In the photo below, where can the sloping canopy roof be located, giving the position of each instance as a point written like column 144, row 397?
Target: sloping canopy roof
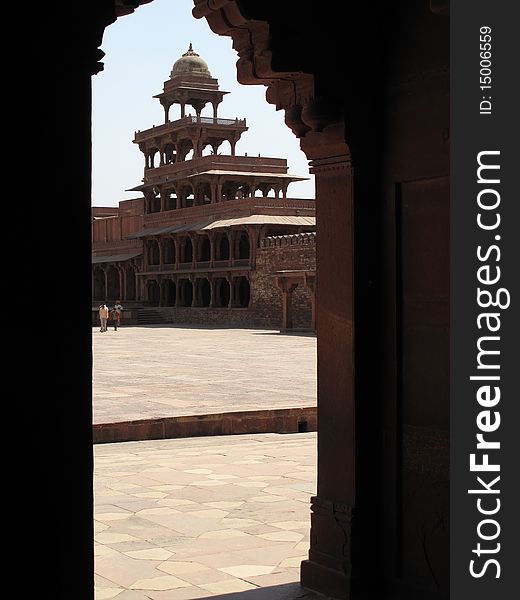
column 182, row 175
column 197, row 226
column 262, row 220
column 213, row 224
column 114, row 257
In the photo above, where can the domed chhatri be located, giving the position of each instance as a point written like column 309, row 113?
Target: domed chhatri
column 190, row 63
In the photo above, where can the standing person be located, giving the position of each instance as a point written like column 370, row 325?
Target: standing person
column 100, row 313
column 103, row 316
column 118, row 309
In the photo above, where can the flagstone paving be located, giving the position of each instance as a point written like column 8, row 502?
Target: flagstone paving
column 168, row 371
column 196, row 518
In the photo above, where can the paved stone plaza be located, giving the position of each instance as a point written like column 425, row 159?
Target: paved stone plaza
column 150, row 372
column 206, row 517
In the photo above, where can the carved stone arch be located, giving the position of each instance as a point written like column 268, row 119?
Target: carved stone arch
column 292, row 91
column 346, row 509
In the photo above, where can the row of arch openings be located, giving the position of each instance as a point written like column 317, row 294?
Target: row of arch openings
column 186, row 195
column 188, row 250
column 184, row 151
column 219, row 292
column 114, row 283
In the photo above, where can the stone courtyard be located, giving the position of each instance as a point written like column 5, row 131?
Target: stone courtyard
column 166, row 371
column 221, row 517
column 208, row 517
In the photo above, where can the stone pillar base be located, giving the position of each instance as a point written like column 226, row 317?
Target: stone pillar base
column 326, row 581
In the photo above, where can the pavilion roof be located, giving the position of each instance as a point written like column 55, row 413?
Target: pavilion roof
column 115, row 257
column 222, row 223
column 249, row 174
column 262, row 220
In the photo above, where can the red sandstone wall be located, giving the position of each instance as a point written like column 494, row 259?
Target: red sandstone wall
column 234, row 317
column 276, row 254
column 125, row 219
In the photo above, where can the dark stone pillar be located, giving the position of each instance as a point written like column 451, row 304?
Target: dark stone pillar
column 164, row 193
column 287, row 290
column 66, row 115
column 161, row 292
column 310, row 284
column 329, row 567
column 178, row 288
column 105, row 275
column 121, row 283
column 231, row 282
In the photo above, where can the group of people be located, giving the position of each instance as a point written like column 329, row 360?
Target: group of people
column 110, row 315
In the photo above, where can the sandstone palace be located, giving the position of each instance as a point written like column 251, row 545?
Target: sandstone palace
column 214, row 238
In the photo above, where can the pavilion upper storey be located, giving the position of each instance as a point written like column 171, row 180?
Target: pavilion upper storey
column 184, row 163
column 190, row 85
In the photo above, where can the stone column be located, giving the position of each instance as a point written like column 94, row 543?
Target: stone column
column 161, row 291
column 124, row 288
column 193, row 291
column 194, row 249
column 177, row 252
column 333, row 509
column 211, row 237
column 121, row 283
column 310, row 284
column 230, row 280
column 145, row 254
column 287, row 288
column 231, row 238
column 163, row 195
column 160, row 245
column 286, row 310
column 177, row 292
column 105, row 275
column 213, row 291
column 254, row 234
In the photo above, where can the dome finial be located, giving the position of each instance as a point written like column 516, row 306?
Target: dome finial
column 190, row 52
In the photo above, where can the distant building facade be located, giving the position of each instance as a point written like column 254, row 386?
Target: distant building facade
column 200, row 246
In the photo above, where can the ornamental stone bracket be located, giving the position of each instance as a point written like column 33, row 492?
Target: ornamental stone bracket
column 291, row 91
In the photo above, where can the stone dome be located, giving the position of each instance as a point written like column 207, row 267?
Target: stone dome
column 190, row 62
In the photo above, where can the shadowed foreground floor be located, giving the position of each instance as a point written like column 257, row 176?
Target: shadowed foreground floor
column 221, row 517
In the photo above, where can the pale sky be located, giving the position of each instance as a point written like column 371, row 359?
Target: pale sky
column 140, row 51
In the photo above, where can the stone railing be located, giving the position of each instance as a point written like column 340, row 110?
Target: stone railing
column 231, row 208
column 295, row 239
column 161, row 174
column 200, row 266
column 180, row 123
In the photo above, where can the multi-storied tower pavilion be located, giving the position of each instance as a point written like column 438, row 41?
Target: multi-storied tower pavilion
column 177, row 174
column 207, row 215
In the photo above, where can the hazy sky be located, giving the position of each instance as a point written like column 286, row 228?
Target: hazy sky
column 140, row 51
